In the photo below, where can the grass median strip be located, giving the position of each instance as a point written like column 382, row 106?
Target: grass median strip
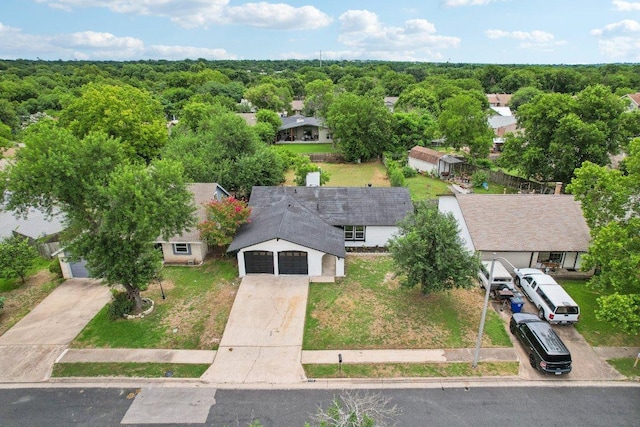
column 625, row 367
column 409, row 370
column 128, row 369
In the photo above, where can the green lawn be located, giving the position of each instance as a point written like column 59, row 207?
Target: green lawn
column 308, row 148
column 193, row 315
column 356, row 174
column 424, row 187
column 399, row 370
column 370, row 310
column 598, row 333
column 8, row 285
column 140, row 370
column 625, row 367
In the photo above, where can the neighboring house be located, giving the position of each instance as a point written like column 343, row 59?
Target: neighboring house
column 188, row 247
column 634, row 101
column 428, row 160
column 499, row 99
column 529, row 230
column 250, row 118
column 301, row 128
column 42, row 232
column 390, row 102
column 501, row 126
column 297, row 105
column 307, row 230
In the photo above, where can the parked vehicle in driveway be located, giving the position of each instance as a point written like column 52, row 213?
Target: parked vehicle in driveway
column 546, row 350
column 553, row 303
column 502, row 279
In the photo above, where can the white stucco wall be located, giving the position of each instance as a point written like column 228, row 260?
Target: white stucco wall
column 518, row 259
column 449, row 204
column 374, row 236
column 421, row 165
column 314, row 257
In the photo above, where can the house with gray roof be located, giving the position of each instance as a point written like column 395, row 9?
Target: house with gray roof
column 529, row 230
column 301, row 128
column 308, row 230
column 188, row 247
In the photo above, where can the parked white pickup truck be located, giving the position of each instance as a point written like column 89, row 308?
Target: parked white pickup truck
column 554, row 304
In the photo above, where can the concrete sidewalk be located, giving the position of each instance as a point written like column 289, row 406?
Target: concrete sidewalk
column 408, row 356
column 98, row 355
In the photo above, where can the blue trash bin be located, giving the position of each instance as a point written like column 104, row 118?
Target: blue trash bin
column 516, row 305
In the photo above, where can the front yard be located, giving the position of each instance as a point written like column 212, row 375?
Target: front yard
column 193, row 315
column 370, row 310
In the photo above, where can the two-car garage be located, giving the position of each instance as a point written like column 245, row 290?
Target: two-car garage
column 288, row 262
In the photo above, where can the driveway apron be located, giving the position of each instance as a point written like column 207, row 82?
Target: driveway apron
column 29, row 349
column 262, row 342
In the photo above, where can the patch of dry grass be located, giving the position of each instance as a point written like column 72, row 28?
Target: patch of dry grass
column 369, row 309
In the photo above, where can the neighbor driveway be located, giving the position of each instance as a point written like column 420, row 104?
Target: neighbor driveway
column 262, row 342
column 29, row 349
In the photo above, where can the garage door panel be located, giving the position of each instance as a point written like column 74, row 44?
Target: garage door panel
column 256, row 262
column 293, row 262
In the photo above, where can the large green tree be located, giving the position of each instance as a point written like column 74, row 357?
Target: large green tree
column 428, row 251
column 269, row 96
column 463, row 122
column 561, row 132
column 114, row 209
column 611, row 207
column 361, row 125
column 121, row 111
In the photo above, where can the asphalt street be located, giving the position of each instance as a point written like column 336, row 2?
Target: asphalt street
column 481, row 406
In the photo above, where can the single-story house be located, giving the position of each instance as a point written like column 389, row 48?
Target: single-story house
column 188, row 247
column 42, row 231
column 529, row 230
column 307, row 230
column 428, row 160
column 301, row 128
column 633, row 100
column 499, row 99
column 390, row 102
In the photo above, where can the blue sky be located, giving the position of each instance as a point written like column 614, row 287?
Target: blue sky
column 460, row 31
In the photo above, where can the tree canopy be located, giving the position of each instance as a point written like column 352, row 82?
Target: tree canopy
column 611, row 207
column 428, row 252
column 121, row 111
column 361, row 126
column 113, row 209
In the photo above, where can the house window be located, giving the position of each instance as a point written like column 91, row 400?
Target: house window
column 181, row 249
column 354, row 232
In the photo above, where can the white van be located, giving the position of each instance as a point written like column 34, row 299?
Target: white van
column 554, row 304
column 502, row 279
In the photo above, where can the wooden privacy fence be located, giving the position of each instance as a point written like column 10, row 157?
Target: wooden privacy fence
column 507, row 180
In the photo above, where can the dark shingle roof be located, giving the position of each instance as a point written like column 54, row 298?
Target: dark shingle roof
column 338, row 206
column 288, row 220
column 298, row 120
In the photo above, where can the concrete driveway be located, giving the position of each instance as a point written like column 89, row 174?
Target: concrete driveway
column 585, row 362
column 262, row 342
column 29, row 349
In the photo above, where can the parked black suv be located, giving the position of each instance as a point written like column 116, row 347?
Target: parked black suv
column 546, row 350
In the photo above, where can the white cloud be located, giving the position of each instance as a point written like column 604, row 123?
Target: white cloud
column 367, row 37
column 620, row 40
column 201, row 13
column 182, row 52
column 458, row 3
column 278, row 16
column 535, row 40
column 626, row 6
column 90, row 45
